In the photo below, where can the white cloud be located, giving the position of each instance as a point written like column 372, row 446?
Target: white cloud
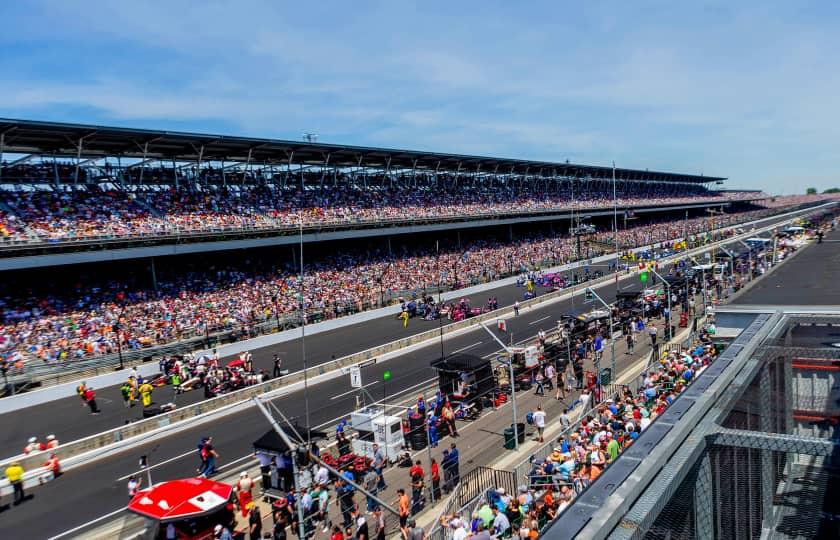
column 724, row 88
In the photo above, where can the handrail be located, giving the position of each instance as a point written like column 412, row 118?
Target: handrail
column 285, row 322
column 176, row 233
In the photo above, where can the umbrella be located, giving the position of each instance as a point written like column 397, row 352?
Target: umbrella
column 236, row 363
column 180, row 499
column 272, row 443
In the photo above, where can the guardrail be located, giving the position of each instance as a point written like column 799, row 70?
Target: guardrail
column 176, row 234
column 471, row 488
column 331, row 368
column 33, row 372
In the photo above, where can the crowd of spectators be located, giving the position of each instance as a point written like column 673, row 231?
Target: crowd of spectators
column 583, row 451
column 85, row 320
column 792, row 200
column 106, row 208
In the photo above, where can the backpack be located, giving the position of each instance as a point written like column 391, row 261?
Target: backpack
column 529, row 418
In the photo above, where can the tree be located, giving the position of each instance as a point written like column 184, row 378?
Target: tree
column 832, row 190
column 811, row 191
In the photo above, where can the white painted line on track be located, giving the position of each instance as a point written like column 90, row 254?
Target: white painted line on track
column 462, row 349
column 539, row 320
column 161, row 464
column 86, row 525
column 336, row 419
column 341, row 395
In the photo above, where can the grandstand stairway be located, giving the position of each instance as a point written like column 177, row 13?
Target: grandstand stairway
column 10, row 211
column 145, row 204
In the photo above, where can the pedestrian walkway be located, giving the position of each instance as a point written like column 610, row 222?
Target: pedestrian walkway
column 481, row 442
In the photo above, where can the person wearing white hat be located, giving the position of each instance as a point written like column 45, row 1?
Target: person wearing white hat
column 243, row 488
column 33, row 446
column 52, row 442
column 222, row 533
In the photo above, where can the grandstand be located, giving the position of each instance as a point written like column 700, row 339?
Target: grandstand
column 77, row 188
column 138, row 206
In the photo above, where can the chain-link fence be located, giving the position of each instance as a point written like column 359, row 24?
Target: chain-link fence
column 764, row 461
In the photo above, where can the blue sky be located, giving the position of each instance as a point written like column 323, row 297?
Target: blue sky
column 748, row 90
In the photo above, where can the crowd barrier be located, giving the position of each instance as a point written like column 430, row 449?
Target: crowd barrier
column 276, row 227
column 128, row 434
column 269, row 332
column 123, row 436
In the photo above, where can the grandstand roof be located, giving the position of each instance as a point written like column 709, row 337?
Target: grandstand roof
column 65, row 140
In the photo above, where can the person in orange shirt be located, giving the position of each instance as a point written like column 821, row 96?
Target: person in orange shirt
column 403, row 507
column 53, row 465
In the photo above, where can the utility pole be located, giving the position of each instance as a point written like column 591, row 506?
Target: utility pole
column 612, row 341
column 512, row 383
column 668, row 293
column 615, row 228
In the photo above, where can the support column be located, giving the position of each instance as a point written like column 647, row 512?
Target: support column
column 175, row 172
column 703, row 501
column 154, row 274
column 765, row 424
column 787, row 368
column 78, row 162
column 510, row 232
column 2, row 144
column 389, row 247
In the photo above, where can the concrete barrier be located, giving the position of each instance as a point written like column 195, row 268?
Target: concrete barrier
column 82, row 450
column 36, row 397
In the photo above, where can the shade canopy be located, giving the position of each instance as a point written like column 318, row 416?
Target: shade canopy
column 177, row 500
column 271, row 442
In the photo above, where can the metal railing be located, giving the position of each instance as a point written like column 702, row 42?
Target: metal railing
column 178, row 234
column 32, row 373
column 472, row 488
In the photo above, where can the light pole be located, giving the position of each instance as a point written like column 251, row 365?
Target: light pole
column 440, row 297
column 749, row 259
column 303, row 335
column 731, row 278
column 512, row 384
column 612, row 341
column 702, row 283
column 615, row 228
column 668, row 289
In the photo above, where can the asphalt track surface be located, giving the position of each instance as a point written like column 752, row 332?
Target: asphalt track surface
column 69, row 419
column 89, row 492
column 813, row 280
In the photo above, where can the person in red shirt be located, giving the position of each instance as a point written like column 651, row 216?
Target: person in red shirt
column 53, row 465
column 416, row 470
column 52, row 442
column 90, row 399
column 435, row 480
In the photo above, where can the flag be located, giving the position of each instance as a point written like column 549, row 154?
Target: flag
column 643, row 276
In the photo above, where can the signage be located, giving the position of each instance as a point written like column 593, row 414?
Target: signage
column 355, row 376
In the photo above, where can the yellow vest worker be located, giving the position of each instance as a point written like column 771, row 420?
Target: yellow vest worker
column 14, row 473
column 404, row 317
column 146, row 394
